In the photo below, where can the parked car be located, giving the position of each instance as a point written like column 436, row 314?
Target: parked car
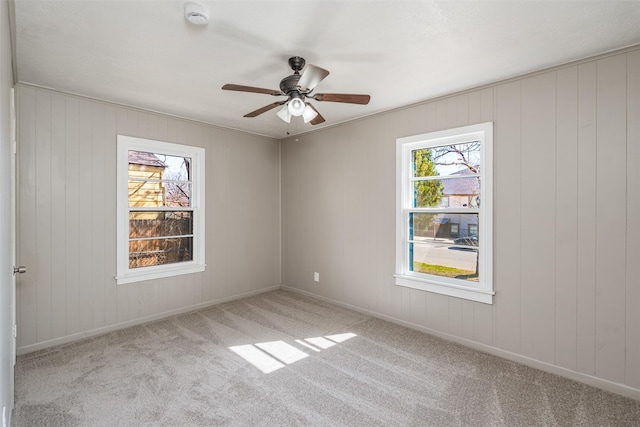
column 468, row 241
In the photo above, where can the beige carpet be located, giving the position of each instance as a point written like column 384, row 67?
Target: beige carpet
column 285, row 359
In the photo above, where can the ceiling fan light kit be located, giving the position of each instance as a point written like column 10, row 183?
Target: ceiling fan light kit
column 297, row 88
column 309, row 113
column 296, row 105
column 284, row 114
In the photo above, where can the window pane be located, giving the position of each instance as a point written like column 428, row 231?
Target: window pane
column 439, row 226
column 159, row 224
column 145, row 253
column 445, row 260
column 447, row 193
column 153, row 194
column 159, row 180
column 455, row 159
column 172, row 167
column 442, row 245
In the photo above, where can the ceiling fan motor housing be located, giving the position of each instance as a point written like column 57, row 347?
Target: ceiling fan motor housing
column 289, row 83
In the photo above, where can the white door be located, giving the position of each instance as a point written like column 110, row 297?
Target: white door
column 16, row 270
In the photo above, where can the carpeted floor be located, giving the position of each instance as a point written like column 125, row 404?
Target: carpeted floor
column 282, row 359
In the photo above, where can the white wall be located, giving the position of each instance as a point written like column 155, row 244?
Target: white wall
column 67, row 222
column 567, row 228
column 6, row 82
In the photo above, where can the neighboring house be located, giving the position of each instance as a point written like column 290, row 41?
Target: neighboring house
column 146, row 189
column 458, row 193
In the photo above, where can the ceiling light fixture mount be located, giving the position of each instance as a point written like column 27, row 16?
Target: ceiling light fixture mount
column 196, row 13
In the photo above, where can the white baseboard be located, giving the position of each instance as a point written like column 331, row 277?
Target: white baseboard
column 114, row 327
column 603, row 384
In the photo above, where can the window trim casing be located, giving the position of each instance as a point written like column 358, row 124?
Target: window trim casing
column 452, row 287
column 124, row 274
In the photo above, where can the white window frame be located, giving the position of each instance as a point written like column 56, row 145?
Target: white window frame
column 483, row 290
column 197, row 155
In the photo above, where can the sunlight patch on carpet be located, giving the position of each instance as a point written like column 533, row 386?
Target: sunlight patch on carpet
column 273, row 355
column 282, row 351
column 257, row 358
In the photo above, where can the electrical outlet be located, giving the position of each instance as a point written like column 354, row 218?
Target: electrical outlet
column 316, row 277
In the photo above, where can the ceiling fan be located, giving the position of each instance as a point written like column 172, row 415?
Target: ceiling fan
column 297, row 88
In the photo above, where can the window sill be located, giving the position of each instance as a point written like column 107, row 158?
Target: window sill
column 457, row 291
column 151, row 273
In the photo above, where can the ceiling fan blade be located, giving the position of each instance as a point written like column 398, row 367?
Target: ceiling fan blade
column 343, row 97
column 311, row 76
column 264, row 109
column 317, row 119
column 252, row 89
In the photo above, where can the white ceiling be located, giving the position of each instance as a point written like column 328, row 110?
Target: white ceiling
column 143, row 53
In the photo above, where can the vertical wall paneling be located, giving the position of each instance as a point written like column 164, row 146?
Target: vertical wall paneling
column 357, row 222
column 463, row 109
column 67, row 207
column 586, row 293
column 611, row 217
column 43, row 215
column 455, row 316
column 417, row 305
column 632, row 371
column 341, row 187
column 538, row 216
column 97, row 203
column 468, row 320
column 109, row 245
column 507, row 239
column 58, row 215
column 384, row 147
column 85, row 221
column 72, row 215
column 483, row 330
column 210, row 247
column 566, row 238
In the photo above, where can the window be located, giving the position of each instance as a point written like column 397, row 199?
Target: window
column 454, row 230
column 446, row 247
column 160, row 205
